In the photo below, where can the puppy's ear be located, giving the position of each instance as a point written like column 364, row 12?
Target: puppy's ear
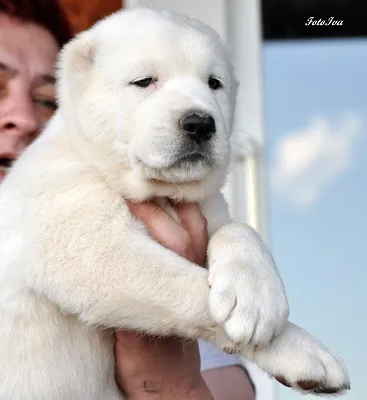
column 79, row 53
column 74, row 68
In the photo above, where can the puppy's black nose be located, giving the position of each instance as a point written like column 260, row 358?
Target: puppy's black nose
column 199, row 127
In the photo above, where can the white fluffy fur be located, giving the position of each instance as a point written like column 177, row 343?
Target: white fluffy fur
column 75, row 264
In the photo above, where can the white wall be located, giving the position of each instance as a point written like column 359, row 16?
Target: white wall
column 212, row 11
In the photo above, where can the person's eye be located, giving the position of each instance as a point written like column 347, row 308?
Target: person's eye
column 144, row 82
column 214, row 83
column 47, row 103
column 3, row 87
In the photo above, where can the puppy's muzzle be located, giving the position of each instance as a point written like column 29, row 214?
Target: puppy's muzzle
column 199, row 127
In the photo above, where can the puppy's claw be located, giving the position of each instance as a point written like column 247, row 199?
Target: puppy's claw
column 331, row 390
column 313, row 386
column 282, row 380
column 307, row 385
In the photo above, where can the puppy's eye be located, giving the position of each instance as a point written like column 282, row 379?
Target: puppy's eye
column 143, row 83
column 214, row 83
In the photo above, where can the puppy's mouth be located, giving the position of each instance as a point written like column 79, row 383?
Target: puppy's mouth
column 180, row 167
column 190, row 158
column 182, row 160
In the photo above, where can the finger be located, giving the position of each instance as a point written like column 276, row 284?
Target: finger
column 164, row 228
column 196, row 225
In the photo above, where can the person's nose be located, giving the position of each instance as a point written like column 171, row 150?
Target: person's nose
column 18, row 125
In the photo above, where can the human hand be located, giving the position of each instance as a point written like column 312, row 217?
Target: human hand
column 188, row 239
column 155, row 368
column 165, row 368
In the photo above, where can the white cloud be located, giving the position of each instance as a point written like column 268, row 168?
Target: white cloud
column 310, row 159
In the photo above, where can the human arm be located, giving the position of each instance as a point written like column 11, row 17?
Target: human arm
column 152, row 368
column 170, row 364
column 149, row 367
column 166, row 368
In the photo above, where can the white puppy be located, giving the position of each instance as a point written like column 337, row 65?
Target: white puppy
column 146, row 109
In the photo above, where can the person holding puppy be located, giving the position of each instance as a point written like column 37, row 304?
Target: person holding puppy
column 31, row 34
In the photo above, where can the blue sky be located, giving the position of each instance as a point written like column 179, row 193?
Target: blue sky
column 316, row 123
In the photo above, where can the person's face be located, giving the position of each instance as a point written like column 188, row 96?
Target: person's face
column 27, row 95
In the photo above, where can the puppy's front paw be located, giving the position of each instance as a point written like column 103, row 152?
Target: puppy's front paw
column 247, row 295
column 251, row 309
column 298, row 360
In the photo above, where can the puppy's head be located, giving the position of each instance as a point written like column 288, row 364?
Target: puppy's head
column 154, row 92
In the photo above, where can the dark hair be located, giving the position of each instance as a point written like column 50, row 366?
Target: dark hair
column 47, row 13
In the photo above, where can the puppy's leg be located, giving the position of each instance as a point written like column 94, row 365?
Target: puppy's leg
column 109, row 272
column 141, row 286
column 247, row 298
column 247, row 295
column 300, row 361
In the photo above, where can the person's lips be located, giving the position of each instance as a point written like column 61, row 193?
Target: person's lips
column 6, row 161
